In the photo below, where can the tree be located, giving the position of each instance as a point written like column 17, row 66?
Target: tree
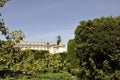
column 71, row 54
column 98, row 48
column 8, row 53
column 16, row 36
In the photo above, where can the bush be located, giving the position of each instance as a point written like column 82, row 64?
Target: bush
column 40, row 54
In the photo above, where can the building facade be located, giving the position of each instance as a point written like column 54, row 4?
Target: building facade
column 51, row 47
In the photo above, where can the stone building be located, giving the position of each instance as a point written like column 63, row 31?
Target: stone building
column 51, row 47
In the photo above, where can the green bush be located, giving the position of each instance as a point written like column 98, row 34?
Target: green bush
column 40, row 54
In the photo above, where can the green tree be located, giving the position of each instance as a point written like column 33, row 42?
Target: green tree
column 71, row 54
column 9, row 55
column 16, row 36
column 98, row 48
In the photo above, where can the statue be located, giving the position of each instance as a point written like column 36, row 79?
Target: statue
column 58, row 40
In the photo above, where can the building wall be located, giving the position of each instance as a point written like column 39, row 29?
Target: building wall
column 51, row 47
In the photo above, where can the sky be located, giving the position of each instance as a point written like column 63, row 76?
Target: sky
column 44, row 20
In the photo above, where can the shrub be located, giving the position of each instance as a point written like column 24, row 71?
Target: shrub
column 40, row 54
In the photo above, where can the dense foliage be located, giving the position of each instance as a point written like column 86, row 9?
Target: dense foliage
column 71, row 54
column 36, row 64
column 98, row 48
column 94, row 54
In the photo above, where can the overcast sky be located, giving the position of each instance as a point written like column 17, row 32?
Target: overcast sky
column 44, row 20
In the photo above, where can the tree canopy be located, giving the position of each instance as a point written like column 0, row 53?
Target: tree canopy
column 98, row 48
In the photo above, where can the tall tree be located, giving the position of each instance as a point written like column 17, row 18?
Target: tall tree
column 98, row 48
column 8, row 52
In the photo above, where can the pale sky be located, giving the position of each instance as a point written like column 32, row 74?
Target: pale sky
column 44, row 20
